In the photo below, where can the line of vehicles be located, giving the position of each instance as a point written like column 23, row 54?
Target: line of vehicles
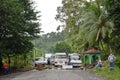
column 60, row 59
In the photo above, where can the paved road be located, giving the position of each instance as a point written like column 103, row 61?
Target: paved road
column 52, row 74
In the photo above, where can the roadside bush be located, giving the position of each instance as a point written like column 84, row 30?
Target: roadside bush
column 107, row 73
column 117, row 62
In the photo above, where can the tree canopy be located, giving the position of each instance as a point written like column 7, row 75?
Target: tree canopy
column 18, row 25
column 62, row 47
column 47, row 41
column 91, row 23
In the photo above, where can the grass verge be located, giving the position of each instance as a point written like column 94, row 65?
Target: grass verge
column 107, row 73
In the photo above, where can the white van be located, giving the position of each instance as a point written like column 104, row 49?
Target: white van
column 75, row 60
column 61, row 59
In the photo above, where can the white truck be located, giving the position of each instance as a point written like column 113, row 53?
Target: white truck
column 75, row 60
column 40, row 60
column 60, row 59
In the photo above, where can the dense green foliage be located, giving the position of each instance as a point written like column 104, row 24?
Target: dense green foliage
column 18, row 26
column 91, row 24
column 107, row 73
column 47, row 41
column 114, row 10
column 62, row 47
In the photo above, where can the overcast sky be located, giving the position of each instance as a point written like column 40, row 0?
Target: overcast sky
column 48, row 11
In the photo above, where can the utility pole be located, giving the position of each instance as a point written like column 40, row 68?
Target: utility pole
column 36, row 31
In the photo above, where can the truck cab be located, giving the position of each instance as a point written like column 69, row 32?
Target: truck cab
column 61, row 59
column 75, row 60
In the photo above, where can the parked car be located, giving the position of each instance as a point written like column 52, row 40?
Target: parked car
column 40, row 60
column 75, row 60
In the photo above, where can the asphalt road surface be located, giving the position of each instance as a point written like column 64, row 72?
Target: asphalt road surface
column 52, row 74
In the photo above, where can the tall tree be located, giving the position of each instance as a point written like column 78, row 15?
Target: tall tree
column 18, row 26
column 68, row 14
column 96, row 26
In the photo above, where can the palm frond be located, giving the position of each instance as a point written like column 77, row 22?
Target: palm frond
column 103, row 32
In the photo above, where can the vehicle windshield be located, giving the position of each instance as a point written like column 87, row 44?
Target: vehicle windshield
column 61, row 56
column 75, row 57
column 39, row 59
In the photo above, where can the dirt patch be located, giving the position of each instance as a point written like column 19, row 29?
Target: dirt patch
column 14, row 70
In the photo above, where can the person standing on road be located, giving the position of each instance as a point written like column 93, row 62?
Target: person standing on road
column 6, row 67
column 111, row 59
column 48, row 61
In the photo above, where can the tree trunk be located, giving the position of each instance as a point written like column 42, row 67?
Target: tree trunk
column 9, row 61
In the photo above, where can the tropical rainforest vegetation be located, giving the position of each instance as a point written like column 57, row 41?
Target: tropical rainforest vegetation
column 91, row 24
column 47, row 41
column 87, row 24
column 18, row 26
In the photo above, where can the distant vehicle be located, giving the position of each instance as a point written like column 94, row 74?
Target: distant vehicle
column 75, row 60
column 40, row 60
column 60, row 59
column 48, row 55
